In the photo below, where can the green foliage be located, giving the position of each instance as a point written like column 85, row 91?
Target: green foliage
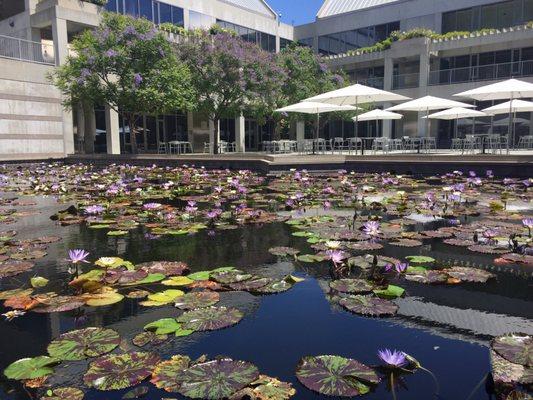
column 128, row 64
column 172, row 28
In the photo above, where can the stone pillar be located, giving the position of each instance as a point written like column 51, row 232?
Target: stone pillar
column 60, row 37
column 300, row 131
column 186, row 18
column 387, row 85
column 112, row 131
column 423, row 87
column 240, row 134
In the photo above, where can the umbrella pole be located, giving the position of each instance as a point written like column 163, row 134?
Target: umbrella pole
column 455, row 130
column 510, row 123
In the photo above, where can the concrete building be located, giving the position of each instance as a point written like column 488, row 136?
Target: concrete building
column 423, row 66
column 35, row 36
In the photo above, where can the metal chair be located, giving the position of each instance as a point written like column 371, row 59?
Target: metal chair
column 457, row 144
column 408, row 143
column 428, row 143
column 355, row 143
column 396, row 144
column 338, row 144
column 381, row 144
column 162, row 148
column 525, row 142
column 471, row 143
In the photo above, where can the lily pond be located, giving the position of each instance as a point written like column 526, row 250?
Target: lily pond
column 126, row 282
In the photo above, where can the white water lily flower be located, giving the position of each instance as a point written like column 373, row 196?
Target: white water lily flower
column 333, row 244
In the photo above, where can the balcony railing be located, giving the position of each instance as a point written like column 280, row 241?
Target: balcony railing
column 481, row 73
column 405, row 81
column 376, row 82
column 21, row 49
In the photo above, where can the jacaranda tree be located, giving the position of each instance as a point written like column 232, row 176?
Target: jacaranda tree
column 231, row 76
column 128, row 64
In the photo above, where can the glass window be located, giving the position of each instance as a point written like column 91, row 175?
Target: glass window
column 132, row 8
column 283, row 43
column 177, row 16
column 146, row 9
column 528, row 10
column 111, row 5
column 120, row 4
column 503, row 56
column 464, row 20
column 486, row 58
column 505, row 14
column 449, row 22
column 527, row 54
column 489, row 16
column 393, row 27
column 165, row 13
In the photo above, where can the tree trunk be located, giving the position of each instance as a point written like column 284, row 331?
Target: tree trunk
column 216, row 135
column 133, row 133
column 89, row 128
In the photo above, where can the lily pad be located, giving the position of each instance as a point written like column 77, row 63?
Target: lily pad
column 84, row 343
column 12, row 268
column 59, row 304
column 274, row 287
column 38, row 282
column 420, row 259
column 166, row 372
column 120, row 371
column 428, row 277
column 283, row 251
column 251, row 284
column 391, row 292
column 136, row 393
column 162, row 298
column 232, row 276
column 515, row 347
column 31, row 368
column 266, row 388
column 167, row 268
column 194, row 300
column 217, row 379
column 335, row 375
column 351, row 285
column 64, row 393
column 177, row 281
column 144, row 338
column 166, row 326
column 469, row 274
column 209, row 319
column 104, row 297
column 369, row 305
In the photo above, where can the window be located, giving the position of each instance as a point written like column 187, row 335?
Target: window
column 464, row 20
column 505, row 14
column 145, row 8
column 165, row 13
column 283, row 43
column 132, row 8
column 309, row 42
column 199, row 20
column 177, row 16
column 111, row 5
column 264, row 40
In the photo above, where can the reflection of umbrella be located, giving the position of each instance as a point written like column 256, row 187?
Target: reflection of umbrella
column 357, row 94
column 509, row 89
column 376, row 115
column 456, row 113
column 427, row 104
column 314, row 108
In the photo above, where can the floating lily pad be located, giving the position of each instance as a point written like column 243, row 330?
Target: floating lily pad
column 59, row 304
column 209, row 319
column 162, row 298
column 406, row 243
column 283, row 251
column 515, row 347
column 232, row 276
column 274, row 287
column 365, row 246
column 84, row 343
column 137, row 294
column 485, row 249
column 7, row 294
column 335, row 376
column 136, row 393
column 427, row 276
column 469, row 274
column 505, row 372
column 197, row 300
column 31, row 368
column 391, row 292
column 352, row 285
column 251, row 284
column 104, row 297
column 167, row 268
column 420, row 259
column 65, row 393
column 120, row 371
column 177, row 281
column 167, row 326
column 200, row 276
column 144, row 338
column 266, row 388
column 12, row 268
column 217, row 379
column 38, row 282
column 369, row 305
column 166, row 373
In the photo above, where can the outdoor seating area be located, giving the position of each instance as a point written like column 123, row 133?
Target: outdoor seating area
column 174, row 147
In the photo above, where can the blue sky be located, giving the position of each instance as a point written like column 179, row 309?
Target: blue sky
column 299, row 11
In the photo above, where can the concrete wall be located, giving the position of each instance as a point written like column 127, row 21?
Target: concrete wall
column 31, row 121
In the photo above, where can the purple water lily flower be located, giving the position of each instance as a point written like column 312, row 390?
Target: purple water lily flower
column 393, row 358
column 401, row 267
column 327, row 205
column 490, row 174
column 337, row 256
column 152, row 206
column 95, row 209
column 528, row 223
column 371, row 228
column 78, row 255
column 212, row 214
column 191, row 207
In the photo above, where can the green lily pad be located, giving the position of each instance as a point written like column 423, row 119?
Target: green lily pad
column 144, row 338
column 151, row 278
column 194, row 300
column 166, row 372
column 38, row 282
column 274, row 287
column 117, row 233
column 177, row 281
column 120, row 371
column 162, row 298
column 428, row 277
column 251, row 284
column 420, row 259
column 84, row 343
column 392, row 292
column 515, row 347
column 233, row 276
column 335, row 375
column 283, row 251
column 351, row 285
column 217, row 379
column 31, row 368
column 167, row 326
column 136, row 393
column 266, row 388
column 200, row 276
column 209, row 319
column 369, row 305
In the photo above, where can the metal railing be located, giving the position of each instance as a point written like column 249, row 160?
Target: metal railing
column 21, row 49
column 376, row 82
column 405, row 81
column 480, row 73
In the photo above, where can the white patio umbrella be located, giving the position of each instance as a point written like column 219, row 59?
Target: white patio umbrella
column 376, row 115
column 355, row 95
column 307, row 107
column 509, row 89
column 427, row 104
column 456, row 113
column 514, row 105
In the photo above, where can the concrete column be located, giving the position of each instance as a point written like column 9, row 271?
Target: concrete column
column 112, row 131
column 300, row 131
column 186, row 19
column 80, row 120
column 423, row 87
column 240, row 134
column 387, row 85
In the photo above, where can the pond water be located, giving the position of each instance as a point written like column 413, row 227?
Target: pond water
column 448, row 328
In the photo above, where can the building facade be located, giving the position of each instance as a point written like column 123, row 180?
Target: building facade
column 495, row 43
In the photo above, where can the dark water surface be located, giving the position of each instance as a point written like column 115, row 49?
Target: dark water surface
column 447, row 329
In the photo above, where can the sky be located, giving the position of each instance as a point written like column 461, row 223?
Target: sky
column 296, row 11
